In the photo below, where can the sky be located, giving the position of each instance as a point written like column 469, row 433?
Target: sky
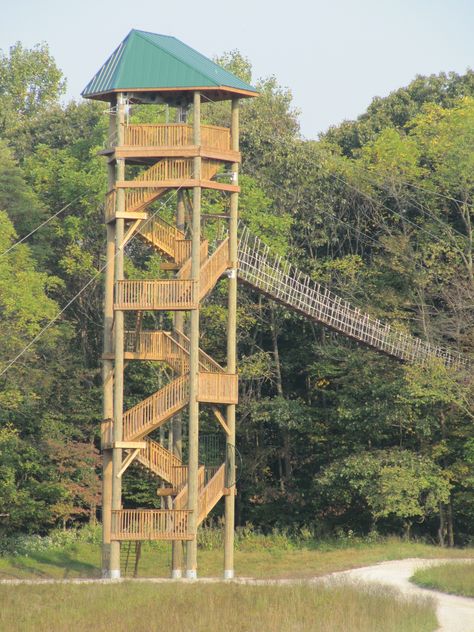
column 334, row 55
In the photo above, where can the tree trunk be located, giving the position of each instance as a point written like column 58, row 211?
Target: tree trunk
column 450, row 521
column 279, row 388
column 442, row 526
column 407, row 527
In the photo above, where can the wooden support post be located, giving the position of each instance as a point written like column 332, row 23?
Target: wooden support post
column 229, row 525
column 108, row 369
column 177, row 422
column 193, row 433
column 118, row 345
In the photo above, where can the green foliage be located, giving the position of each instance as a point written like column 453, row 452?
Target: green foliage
column 452, row 578
column 27, row 497
column 332, row 437
column 30, row 81
column 389, row 483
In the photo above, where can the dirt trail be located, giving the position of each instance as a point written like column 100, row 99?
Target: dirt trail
column 455, row 614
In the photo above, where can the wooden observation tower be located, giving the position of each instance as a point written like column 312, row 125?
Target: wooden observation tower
column 144, row 163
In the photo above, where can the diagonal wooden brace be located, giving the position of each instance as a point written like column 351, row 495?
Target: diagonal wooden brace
column 221, row 419
column 130, row 232
column 131, row 456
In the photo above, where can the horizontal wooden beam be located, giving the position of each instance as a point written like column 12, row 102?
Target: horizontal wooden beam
column 189, row 151
column 129, row 445
column 126, row 216
column 169, row 265
column 186, row 183
column 166, row 491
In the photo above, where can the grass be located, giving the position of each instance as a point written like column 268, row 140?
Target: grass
column 256, row 556
column 211, row 608
column 454, row 578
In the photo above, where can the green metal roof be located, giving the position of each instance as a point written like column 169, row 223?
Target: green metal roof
column 151, row 62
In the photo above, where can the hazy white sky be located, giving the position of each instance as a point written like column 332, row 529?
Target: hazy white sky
column 334, row 55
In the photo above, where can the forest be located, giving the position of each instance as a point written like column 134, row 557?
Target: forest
column 332, row 437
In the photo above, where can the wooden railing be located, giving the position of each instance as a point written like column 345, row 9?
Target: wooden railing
column 214, row 137
column 209, row 168
column 185, row 270
column 218, row 388
column 163, row 346
column 156, row 346
column 153, row 411
column 213, row 268
column 150, row 524
column 168, row 169
column 166, row 238
column 163, row 463
column 209, row 492
column 175, row 135
column 163, row 135
column 181, row 499
column 275, row 277
column 149, row 345
column 161, row 234
column 163, row 294
column 137, row 199
column 212, row 493
column 182, row 251
column 206, row 363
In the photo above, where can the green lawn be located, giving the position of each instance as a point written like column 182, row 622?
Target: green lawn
column 254, row 558
column 211, row 608
column 454, row 578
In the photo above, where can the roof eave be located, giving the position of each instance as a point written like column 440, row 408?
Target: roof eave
column 109, row 95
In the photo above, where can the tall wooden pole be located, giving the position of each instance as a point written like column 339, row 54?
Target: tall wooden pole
column 177, row 423
column 108, row 368
column 118, row 346
column 193, row 434
column 231, row 355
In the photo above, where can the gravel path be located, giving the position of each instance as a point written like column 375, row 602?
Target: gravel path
column 455, row 614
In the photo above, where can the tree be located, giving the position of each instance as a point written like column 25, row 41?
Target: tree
column 30, row 488
column 24, row 208
column 388, row 484
column 30, row 82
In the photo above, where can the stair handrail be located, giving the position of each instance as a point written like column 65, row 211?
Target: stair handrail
column 211, row 493
column 211, row 361
column 152, row 411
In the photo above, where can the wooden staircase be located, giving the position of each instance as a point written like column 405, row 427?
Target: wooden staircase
column 152, row 183
column 215, row 385
column 270, row 275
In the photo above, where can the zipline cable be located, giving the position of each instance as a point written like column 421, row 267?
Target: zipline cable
column 422, row 207
column 46, row 221
column 74, row 298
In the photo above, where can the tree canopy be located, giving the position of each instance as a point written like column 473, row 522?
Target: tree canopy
column 330, row 435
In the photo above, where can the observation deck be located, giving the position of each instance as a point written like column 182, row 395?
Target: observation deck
column 173, row 140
